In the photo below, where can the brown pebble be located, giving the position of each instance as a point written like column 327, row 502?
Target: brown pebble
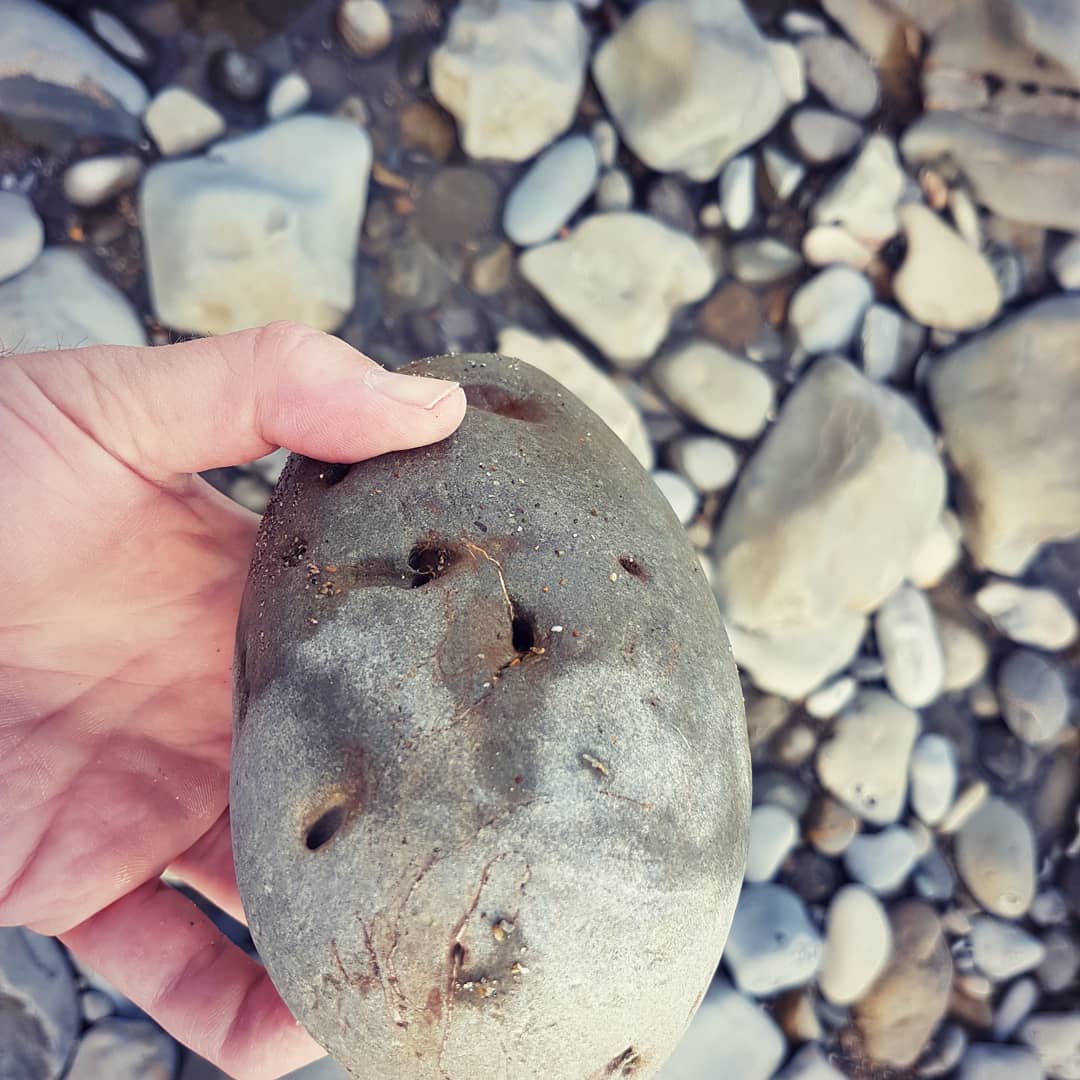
column 424, row 127
column 732, row 316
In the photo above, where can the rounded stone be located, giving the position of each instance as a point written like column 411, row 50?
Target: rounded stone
column 988, row 1061
column 932, row 778
column 826, row 311
column 424, row 653
column 22, row 233
column 910, row 649
column 709, row 463
column 883, row 860
column 1002, row 950
column 774, row 831
column 1028, row 616
column 1034, row 697
column 96, row 180
column 858, row 944
column 995, row 854
column 365, row 26
column 120, row 1048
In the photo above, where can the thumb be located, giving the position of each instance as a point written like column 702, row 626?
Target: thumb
column 223, row 400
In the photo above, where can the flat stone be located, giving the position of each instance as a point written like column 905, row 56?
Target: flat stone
column 738, row 198
column 678, row 492
column 774, row 831
column 569, row 366
column 1034, row 697
column 95, row 180
column 710, row 464
column 252, row 232
column 365, row 26
column 1002, row 950
column 53, row 74
column 943, row 282
column 119, row 1048
column 549, row 193
column 864, row 198
column 1028, row 615
column 619, row 278
column 909, row 646
column 763, row 261
column 511, row 72
column 858, row 945
column 1025, row 168
column 900, row 1013
column 995, row 854
column 179, row 121
column 39, row 1009
column 882, row 861
column 721, row 392
column 841, row 74
column 825, row 313
column 289, row 94
column 772, row 946
column 730, row 1035
column 932, row 776
column 689, row 84
column 822, row 136
column 1008, row 427
column 809, row 1063
column 22, row 233
column 1055, row 1038
column 60, row 302
column 989, row 1061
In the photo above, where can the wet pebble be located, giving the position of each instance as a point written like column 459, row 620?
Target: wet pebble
column 552, row 189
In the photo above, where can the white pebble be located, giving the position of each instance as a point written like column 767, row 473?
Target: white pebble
column 1015, row 1006
column 678, row 492
column 95, row 180
column 966, row 654
column 179, row 122
column 288, row 95
column 1055, row 1037
column 932, row 778
column 1028, row 616
column 118, row 37
column 826, row 311
column 22, row 237
column 709, row 463
column 939, row 553
column 865, row 197
column 737, row 195
column 615, row 191
column 764, row 260
column 825, row 703
column 365, row 25
column 858, row 945
column 784, row 173
column 987, row 1061
column 826, row 245
column 774, row 831
column 1066, row 265
column 910, row 649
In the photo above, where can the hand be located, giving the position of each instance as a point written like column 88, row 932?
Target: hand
column 121, row 576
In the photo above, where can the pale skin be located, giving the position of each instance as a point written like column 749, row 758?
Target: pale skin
column 121, row 574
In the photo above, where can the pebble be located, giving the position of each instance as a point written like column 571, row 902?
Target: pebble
column 966, row 654
column 825, row 313
column 721, row 90
column 841, row 74
column 864, row 198
column 738, row 198
column 60, row 302
column 615, row 191
column 995, row 854
column 988, row 1061
column 1023, row 491
column 1028, row 615
column 789, row 68
column 570, row 367
column 864, row 763
column 606, row 143
column 822, row 136
column 118, row 36
column 239, row 75
column 120, row 1048
column 963, row 810
column 289, row 94
column 939, row 554
column 95, row 180
column 825, row 703
column 709, row 463
column 619, row 278
column 490, row 272
column 511, row 72
column 1034, row 697
column 730, row 1035
column 831, row 826
column 668, row 202
column 22, row 233
column 678, row 492
column 1049, row 908
column 784, row 173
column 365, row 26
column 39, row 1010
column 882, row 861
column 1002, row 950
column 251, row 233
column 899, row 1014
column 943, row 282
column 809, row 1063
column 947, row 1046
column 826, row 245
column 772, row 946
column 933, row 878
column 721, row 392
column 1066, row 265
column 1061, row 965
column 764, row 260
column 551, row 191
column 774, row 832
column 1014, row 1007
column 910, row 650
column 933, row 776
column 858, row 945
column 1055, row 1038
column 869, row 23
column 179, row 122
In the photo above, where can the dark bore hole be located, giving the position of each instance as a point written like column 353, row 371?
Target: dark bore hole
column 523, row 633
column 331, row 474
column 494, row 399
column 325, row 827
column 429, row 561
column 633, row 567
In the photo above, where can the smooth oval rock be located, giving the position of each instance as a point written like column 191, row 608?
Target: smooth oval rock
column 22, row 233
column 485, row 717
column 858, row 944
column 995, row 854
column 545, row 198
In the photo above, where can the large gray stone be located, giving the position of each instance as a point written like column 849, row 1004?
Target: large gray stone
column 403, row 674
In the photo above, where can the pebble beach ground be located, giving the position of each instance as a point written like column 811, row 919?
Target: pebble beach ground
column 818, row 265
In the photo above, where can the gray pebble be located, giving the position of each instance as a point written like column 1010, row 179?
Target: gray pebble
column 1002, row 950
column 1016, row 1004
column 606, row 143
column 933, row 877
column 551, row 190
column 995, row 854
column 1055, row 1037
column 944, row 1052
column 821, row 136
column 932, row 778
column 763, row 261
column 882, row 861
column 826, row 312
column 1033, row 696
column 784, row 173
column 22, row 234
column 774, row 831
column 709, row 463
column 1049, row 908
column 125, row 1048
column 987, row 1061
column 95, row 1005
column 809, row 1063
column 1061, row 964
column 841, row 74
column 118, row 37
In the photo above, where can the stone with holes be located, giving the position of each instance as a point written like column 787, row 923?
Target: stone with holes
column 486, row 716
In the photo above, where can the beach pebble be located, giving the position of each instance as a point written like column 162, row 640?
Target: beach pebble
column 95, row 180
column 910, row 650
column 825, row 703
column 679, row 493
column 882, row 861
column 1055, row 1038
column 784, row 173
column 943, row 281
column 864, row 198
column 1061, row 965
column 841, row 74
column 822, row 136
column 289, row 94
column 1002, row 950
column 988, row 1061
column 939, row 553
column 614, row 191
column 737, row 194
column 764, row 260
column 1066, row 265
column 1034, row 697
column 22, row 233
column 864, row 763
column 774, row 831
column 809, row 1063
column 858, row 945
column 789, row 67
column 995, row 854
column 709, row 463
column 831, row 826
column 932, row 775
column 966, row 654
column 773, row 945
column 552, row 189
column 365, row 26
column 122, row 1048
column 1028, row 615
column 619, row 278
column 179, row 121
column 1014, row 1007
column 943, row 1052
column 826, row 312
column 721, row 392
column 825, row 245
column 933, row 877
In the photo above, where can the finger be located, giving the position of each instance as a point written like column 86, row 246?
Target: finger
column 161, row 952
column 223, row 400
column 207, row 866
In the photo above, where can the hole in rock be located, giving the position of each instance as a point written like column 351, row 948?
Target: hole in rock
column 633, row 567
column 523, row 633
column 429, row 561
column 494, row 399
column 333, row 473
column 325, row 827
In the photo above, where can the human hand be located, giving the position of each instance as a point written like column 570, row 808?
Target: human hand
column 121, row 576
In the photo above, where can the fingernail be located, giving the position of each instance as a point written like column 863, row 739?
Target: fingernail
column 412, row 389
